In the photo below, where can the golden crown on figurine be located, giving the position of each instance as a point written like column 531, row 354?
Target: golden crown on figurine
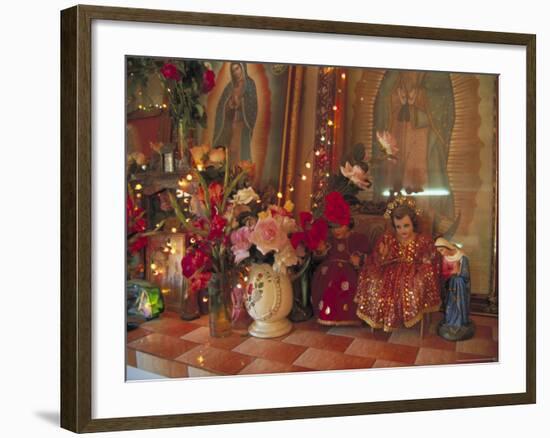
column 400, row 200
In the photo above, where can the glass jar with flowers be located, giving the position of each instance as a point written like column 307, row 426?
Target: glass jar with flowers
column 205, row 210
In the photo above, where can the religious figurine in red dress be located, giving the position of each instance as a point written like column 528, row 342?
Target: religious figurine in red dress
column 335, row 279
column 400, row 283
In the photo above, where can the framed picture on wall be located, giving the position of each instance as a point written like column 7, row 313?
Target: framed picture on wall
column 265, row 221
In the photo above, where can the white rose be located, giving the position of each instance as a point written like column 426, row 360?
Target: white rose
column 245, row 196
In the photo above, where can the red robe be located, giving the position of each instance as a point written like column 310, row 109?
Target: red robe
column 399, row 288
column 335, row 281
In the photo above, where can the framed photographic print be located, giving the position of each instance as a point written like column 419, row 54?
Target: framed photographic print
column 267, row 218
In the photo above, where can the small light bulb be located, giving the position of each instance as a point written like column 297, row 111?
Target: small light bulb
column 245, row 278
column 280, row 195
column 343, row 76
column 144, row 167
column 317, row 152
column 200, row 167
column 205, row 299
column 335, row 108
column 322, row 138
column 327, row 174
column 173, row 251
column 239, row 286
column 189, row 177
column 138, row 195
column 330, row 123
column 192, row 240
column 308, row 165
column 179, row 193
column 153, row 266
column 304, row 177
column 139, row 186
column 174, row 229
column 291, row 188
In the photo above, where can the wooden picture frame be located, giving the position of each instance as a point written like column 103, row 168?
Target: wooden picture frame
column 76, row 217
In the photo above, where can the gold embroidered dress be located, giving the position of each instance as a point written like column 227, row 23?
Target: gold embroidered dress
column 399, row 285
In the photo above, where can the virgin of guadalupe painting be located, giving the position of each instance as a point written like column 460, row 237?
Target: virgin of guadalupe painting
column 236, row 113
column 247, row 110
column 417, row 109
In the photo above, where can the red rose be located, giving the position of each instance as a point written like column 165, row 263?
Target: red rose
column 337, row 209
column 170, row 71
column 208, row 81
column 314, row 232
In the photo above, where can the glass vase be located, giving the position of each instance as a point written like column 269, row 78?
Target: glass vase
column 189, row 303
column 219, row 319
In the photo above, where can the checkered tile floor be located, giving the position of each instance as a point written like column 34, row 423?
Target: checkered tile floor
column 171, row 347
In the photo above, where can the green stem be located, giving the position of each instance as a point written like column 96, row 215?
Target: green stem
column 182, row 218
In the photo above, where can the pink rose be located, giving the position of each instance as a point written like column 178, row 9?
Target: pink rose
column 170, row 71
column 268, row 235
column 208, row 81
column 240, row 240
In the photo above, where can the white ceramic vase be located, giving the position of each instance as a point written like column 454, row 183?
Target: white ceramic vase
column 268, row 301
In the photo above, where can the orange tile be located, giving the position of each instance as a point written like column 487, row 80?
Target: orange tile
column 318, row 340
column 131, row 357
column 311, row 324
column 381, row 363
column 132, row 335
column 332, row 360
column 483, row 332
column 363, row 332
column 162, row 345
column 473, row 358
column 489, row 321
column 481, row 347
column 264, row 366
column 437, row 342
column 202, row 336
column 158, row 365
column 270, row 349
column 169, row 326
column 215, row 359
column 406, row 336
column 431, row 356
column 383, row 350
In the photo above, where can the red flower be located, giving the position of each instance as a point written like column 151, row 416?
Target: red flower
column 337, row 209
column 170, row 71
column 199, row 281
column 216, row 193
column 138, row 245
column 208, row 81
column 314, row 232
column 217, row 226
column 193, row 261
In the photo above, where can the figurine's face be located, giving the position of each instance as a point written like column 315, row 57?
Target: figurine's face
column 404, row 227
column 445, row 251
column 340, row 232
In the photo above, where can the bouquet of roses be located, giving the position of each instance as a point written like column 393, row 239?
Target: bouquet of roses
column 264, row 236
